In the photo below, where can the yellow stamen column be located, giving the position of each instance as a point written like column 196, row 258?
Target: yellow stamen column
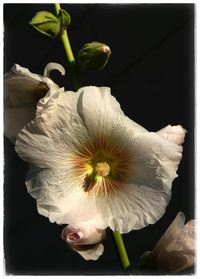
column 102, row 169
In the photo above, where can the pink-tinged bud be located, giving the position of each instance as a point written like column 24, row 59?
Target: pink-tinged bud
column 85, row 239
column 71, row 234
column 174, row 134
column 73, row 237
column 94, row 56
column 84, row 233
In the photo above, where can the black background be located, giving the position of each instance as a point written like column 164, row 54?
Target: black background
column 151, row 73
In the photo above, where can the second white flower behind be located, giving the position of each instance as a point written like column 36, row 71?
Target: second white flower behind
column 22, row 91
column 91, row 162
column 175, row 251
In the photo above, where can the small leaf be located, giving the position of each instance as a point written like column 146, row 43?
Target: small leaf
column 46, row 23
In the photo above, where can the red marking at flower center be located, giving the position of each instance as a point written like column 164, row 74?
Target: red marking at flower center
column 74, row 236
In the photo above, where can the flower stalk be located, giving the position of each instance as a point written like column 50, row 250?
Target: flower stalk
column 73, row 68
column 121, row 249
column 69, row 54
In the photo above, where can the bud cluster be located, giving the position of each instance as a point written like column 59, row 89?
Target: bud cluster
column 50, row 25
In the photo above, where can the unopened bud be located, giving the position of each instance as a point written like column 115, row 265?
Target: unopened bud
column 46, row 23
column 64, row 19
column 94, row 56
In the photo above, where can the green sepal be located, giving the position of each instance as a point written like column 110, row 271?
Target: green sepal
column 94, row 56
column 146, row 261
column 46, row 23
column 64, row 19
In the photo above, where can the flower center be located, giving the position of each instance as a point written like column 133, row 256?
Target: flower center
column 102, row 169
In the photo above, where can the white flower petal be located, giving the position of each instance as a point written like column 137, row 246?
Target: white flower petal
column 67, row 122
column 100, row 110
column 15, row 120
column 185, row 240
column 89, row 252
column 55, row 128
column 74, row 207
column 155, row 161
column 134, row 208
column 60, row 197
column 174, row 134
column 171, row 233
column 58, row 125
column 144, row 200
column 23, row 89
column 175, row 249
column 173, row 262
column 190, row 228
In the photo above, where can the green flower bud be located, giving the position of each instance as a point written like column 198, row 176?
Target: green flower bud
column 94, row 56
column 46, row 23
column 64, row 19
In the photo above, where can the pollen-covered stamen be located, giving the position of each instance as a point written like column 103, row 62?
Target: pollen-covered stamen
column 102, row 169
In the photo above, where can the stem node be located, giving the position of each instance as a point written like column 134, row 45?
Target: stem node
column 69, row 54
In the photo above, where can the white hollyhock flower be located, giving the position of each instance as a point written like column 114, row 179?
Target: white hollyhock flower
column 91, row 162
column 22, row 90
column 85, row 239
column 175, row 251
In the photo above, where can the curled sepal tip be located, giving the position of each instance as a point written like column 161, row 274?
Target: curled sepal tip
column 53, row 66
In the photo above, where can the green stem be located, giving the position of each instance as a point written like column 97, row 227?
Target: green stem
column 57, row 8
column 69, row 54
column 121, row 249
column 73, row 68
